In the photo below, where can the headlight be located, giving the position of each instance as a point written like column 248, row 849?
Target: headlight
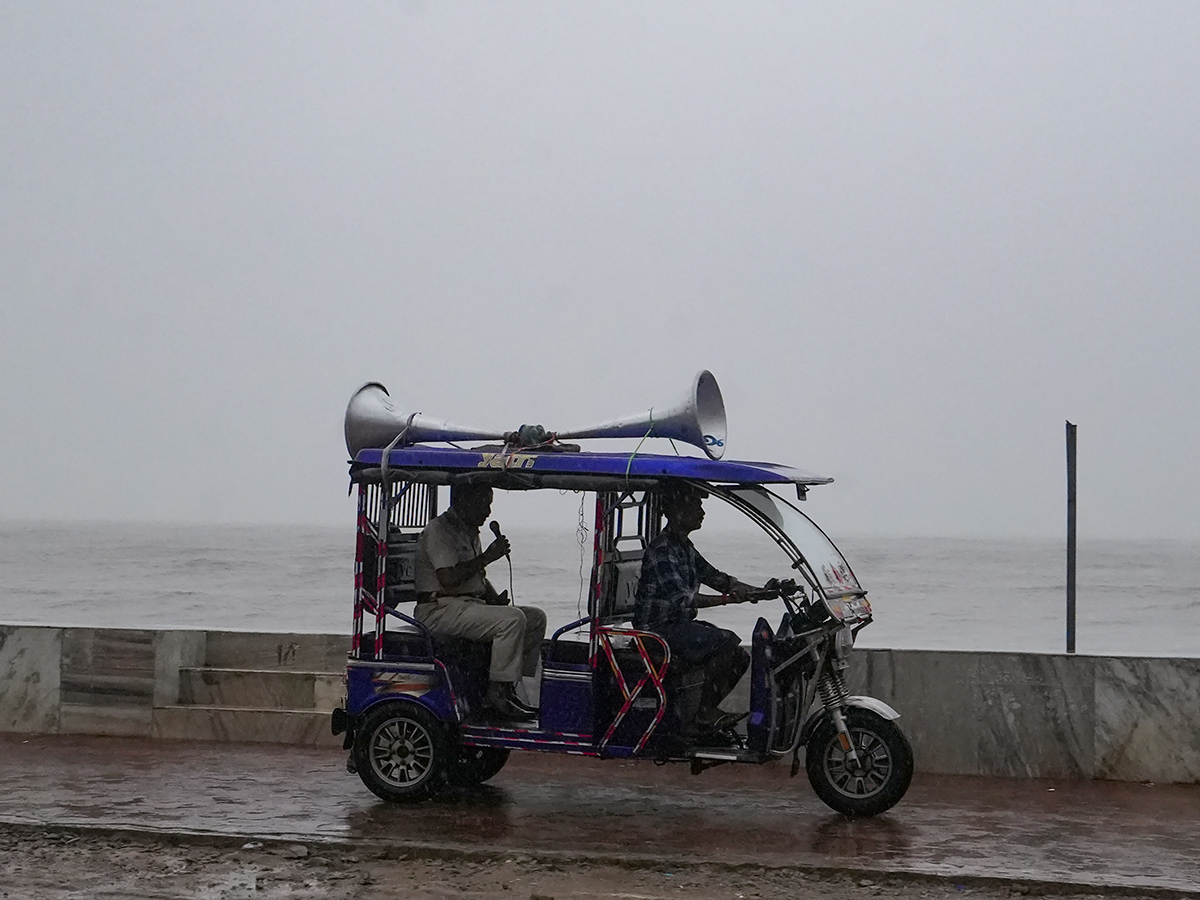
column 843, row 642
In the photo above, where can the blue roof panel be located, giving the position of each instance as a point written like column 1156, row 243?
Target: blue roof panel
column 630, row 465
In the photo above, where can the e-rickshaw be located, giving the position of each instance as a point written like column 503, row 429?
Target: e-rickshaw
column 413, row 718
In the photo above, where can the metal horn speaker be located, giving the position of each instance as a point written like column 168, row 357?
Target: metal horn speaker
column 698, row 418
column 374, row 420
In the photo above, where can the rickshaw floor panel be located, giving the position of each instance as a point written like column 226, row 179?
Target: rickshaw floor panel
column 486, row 735
column 482, row 734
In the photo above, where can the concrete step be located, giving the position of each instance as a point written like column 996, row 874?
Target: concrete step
column 259, row 688
column 296, row 652
column 307, row 727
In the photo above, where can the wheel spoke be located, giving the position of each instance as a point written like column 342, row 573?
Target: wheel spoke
column 401, row 751
column 871, row 773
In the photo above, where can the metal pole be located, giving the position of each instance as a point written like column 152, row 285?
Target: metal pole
column 1070, row 538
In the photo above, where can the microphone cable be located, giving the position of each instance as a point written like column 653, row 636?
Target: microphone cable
column 512, row 594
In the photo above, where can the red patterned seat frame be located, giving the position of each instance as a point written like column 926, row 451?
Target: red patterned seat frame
column 651, row 675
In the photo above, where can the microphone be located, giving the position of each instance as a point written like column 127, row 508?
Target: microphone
column 508, row 596
column 495, row 526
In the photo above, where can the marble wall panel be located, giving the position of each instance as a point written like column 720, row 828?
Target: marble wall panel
column 173, row 651
column 122, row 721
column 299, row 652
column 30, row 660
column 107, row 681
column 252, row 725
column 1037, row 715
column 935, row 696
column 1147, row 719
column 253, row 689
column 329, row 692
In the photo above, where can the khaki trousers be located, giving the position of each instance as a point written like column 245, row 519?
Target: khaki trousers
column 516, row 632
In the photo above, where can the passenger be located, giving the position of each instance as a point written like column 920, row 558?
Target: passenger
column 668, row 596
column 455, row 600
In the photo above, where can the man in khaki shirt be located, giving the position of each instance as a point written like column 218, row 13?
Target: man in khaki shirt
column 454, row 599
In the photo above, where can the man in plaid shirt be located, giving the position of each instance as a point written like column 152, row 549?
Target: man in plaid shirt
column 668, row 596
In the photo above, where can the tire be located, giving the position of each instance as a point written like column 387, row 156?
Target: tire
column 402, row 752
column 882, row 780
column 475, row 765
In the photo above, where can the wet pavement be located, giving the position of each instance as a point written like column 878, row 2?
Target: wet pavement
column 1064, row 832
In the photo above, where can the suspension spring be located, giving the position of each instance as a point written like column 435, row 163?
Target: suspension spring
column 832, row 690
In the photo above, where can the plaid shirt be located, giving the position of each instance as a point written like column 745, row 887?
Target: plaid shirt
column 672, row 572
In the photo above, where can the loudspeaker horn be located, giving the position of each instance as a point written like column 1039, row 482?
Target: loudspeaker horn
column 374, row 420
column 697, row 418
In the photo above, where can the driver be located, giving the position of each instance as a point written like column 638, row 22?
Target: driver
column 668, row 596
column 455, row 600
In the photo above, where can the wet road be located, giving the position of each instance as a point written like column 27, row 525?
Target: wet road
column 1088, row 833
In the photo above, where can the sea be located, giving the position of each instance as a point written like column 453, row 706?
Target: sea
column 1139, row 598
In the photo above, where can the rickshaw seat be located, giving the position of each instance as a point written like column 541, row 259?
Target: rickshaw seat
column 401, row 568
column 402, row 588
column 404, row 643
column 621, row 574
column 398, row 644
column 467, row 653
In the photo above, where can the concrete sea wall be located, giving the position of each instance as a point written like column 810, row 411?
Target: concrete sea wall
column 187, row 685
column 1042, row 715
column 1001, row 714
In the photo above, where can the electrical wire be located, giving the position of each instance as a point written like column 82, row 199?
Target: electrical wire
column 581, row 532
column 649, row 431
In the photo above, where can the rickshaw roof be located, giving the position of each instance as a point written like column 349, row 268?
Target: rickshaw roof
column 581, row 469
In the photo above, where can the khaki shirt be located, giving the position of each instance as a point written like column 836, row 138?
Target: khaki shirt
column 445, row 542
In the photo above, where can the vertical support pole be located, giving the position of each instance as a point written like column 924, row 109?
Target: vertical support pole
column 600, row 535
column 1070, row 538
column 360, row 543
column 381, row 548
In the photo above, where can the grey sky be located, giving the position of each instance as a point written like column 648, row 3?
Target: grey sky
column 910, row 240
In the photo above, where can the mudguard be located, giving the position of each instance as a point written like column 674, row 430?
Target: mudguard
column 819, row 714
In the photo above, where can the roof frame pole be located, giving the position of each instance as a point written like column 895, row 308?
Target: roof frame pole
column 361, row 538
column 381, row 545
column 595, row 587
column 1070, row 537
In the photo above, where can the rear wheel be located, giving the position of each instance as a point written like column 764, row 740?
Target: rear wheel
column 881, row 776
column 475, row 765
column 402, row 752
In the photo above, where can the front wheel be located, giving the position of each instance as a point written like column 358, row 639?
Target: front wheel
column 883, row 772
column 402, row 752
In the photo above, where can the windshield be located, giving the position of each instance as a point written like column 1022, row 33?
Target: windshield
column 825, row 564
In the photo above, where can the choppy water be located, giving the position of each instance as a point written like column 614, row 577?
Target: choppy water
column 928, row 593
